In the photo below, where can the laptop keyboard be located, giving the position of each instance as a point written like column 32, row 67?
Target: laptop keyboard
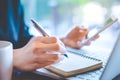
column 92, row 75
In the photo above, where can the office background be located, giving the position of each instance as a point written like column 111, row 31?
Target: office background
column 59, row 16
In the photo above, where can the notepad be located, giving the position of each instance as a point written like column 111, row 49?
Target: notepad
column 75, row 64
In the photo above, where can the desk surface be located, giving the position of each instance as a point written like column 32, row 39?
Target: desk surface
column 30, row 76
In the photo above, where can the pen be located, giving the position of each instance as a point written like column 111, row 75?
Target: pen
column 41, row 30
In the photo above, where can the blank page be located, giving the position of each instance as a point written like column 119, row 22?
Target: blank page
column 75, row 62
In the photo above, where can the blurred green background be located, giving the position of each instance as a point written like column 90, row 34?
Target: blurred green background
column 58, row 16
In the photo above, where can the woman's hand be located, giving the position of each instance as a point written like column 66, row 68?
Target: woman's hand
column 38, row 53
column 76, row 38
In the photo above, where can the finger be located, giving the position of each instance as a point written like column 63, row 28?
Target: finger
column 39, row 51
column 83, row 31
column 82, row 28
column 86, row 42
column 75, row 30
column 46, row 39
column 52, row 56
column 42, row 65
column 95, row 37
column 73, row 44
column 82, row 34
column 61, row 56
column 50, row 47
column 77, row 33
column 47, row 57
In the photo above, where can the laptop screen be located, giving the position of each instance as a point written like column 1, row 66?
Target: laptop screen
column 112, row 68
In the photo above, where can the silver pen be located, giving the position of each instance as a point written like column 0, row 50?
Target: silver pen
column 41, row 30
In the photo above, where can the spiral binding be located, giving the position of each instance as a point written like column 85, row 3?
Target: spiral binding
column 85, row 56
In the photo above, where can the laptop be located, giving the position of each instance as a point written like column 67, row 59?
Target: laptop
column 112, row 68
column 109, row 70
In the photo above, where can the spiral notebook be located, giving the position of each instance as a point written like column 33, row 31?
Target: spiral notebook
column 75, row 64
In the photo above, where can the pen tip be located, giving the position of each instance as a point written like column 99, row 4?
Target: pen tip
column 66, row 55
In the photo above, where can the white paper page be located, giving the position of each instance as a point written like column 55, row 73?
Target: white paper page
column 74, row 62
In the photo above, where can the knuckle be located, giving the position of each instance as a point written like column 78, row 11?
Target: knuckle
column 52, row 62
column 54, row 39
column 37, row 38
column 56, row 56
column 57, row 47
column 77, row 28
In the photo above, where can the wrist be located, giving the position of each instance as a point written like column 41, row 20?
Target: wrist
column 15, row 58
